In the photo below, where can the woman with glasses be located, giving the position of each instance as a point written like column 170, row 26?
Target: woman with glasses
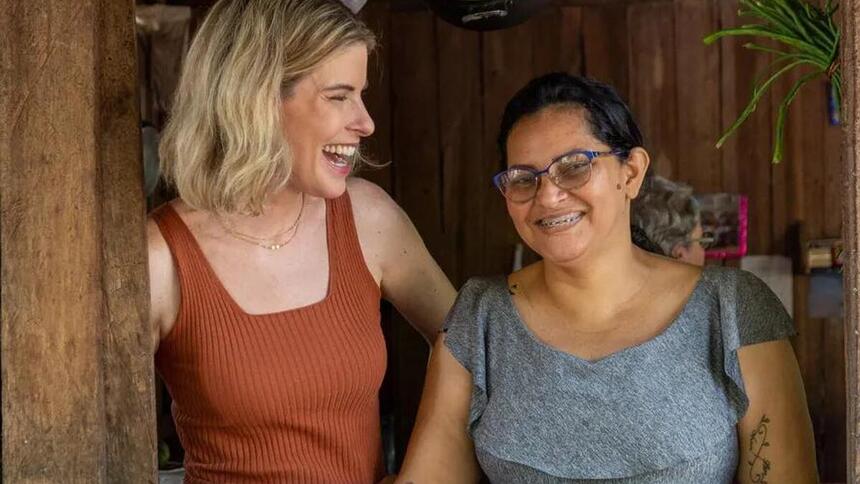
column 603, row 362
column 668, row 216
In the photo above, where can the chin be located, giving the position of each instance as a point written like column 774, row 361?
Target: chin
column 331, row 180
column 563, row 257
column 558, row 253
column 330, row 189
column 559, row 248
column 320, row 185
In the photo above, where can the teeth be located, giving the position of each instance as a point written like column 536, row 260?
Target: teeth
column 554, row 222
column 343, row 150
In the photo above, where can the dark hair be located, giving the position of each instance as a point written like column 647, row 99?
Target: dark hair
column 609, row 118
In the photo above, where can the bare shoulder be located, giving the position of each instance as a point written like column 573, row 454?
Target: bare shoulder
column 163, row 281
column 190, row 216
column 374, row 207
column 157, row 247
column 159, row 251
column 364, row 189
column 367, row 196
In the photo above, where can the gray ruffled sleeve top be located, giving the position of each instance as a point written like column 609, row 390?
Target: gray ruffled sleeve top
column 662, row 411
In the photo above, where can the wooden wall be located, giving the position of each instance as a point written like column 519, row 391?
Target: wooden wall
column 75, row 359
column 437, row 93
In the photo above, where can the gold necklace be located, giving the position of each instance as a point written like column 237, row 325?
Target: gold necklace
column 269, row 243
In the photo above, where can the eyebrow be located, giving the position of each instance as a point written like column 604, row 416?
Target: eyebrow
column 342, row 87
column 553, row 160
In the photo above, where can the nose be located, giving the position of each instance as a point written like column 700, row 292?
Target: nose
column 548, row 193
column 363, row 123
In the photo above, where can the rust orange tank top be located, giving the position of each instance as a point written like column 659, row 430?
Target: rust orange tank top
column 281, row 397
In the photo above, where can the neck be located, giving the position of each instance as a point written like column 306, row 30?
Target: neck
column 281, row 202
column 606, row 280
column 279, row 211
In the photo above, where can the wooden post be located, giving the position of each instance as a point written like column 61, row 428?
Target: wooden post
column 77, row 378
column 850, row 59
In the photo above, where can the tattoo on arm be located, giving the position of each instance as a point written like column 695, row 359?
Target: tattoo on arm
column 759, row 465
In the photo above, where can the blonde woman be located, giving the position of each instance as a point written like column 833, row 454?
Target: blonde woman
column 267, row 271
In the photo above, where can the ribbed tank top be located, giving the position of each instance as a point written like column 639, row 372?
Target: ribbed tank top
column 290, row 396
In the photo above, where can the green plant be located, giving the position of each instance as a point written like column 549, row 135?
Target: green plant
column 809, row 36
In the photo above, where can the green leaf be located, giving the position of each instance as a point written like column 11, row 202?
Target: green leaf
column 779, row 130
column 808, row 35
column 777, row 16
column 814, row 21
column 758, row 92
column 786, row 55
column 763, row 32
column 836, row 81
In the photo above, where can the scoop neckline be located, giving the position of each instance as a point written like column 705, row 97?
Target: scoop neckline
column 671, row 328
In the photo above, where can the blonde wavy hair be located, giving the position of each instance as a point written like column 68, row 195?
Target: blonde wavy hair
column 223, row 147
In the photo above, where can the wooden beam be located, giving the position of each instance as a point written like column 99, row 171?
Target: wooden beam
column 127, row 364
column 850, row 59
column 77, row 390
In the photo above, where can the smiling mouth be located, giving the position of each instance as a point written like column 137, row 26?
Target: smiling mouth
column 340, row 156
column 552, row 222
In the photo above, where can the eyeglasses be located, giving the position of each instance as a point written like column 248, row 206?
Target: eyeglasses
column 569, row 171
column 707, row 240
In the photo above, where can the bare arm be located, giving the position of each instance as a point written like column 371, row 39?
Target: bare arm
column 775, row 435
column 163, row 285
column 408, row 275
column 414, row 283
column 440, row 449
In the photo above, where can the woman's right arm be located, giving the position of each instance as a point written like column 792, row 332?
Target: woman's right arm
column 163, row 285
column 440, row 449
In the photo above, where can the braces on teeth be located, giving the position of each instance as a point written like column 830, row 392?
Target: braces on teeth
column 556, row 222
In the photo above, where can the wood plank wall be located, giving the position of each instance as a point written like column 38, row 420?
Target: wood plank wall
column 437, row 93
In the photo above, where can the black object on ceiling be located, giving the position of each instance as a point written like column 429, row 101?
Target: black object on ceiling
column 486, row 14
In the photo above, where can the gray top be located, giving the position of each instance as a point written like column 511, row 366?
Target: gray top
column 664, row 411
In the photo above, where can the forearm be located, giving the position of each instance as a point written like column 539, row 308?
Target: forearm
column 440, row 449
column 440, row 459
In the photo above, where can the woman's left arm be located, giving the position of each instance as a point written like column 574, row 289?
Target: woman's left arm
column 409, row 277
column 775, row 436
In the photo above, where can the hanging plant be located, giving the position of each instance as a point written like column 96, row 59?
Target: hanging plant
column 808, row 36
